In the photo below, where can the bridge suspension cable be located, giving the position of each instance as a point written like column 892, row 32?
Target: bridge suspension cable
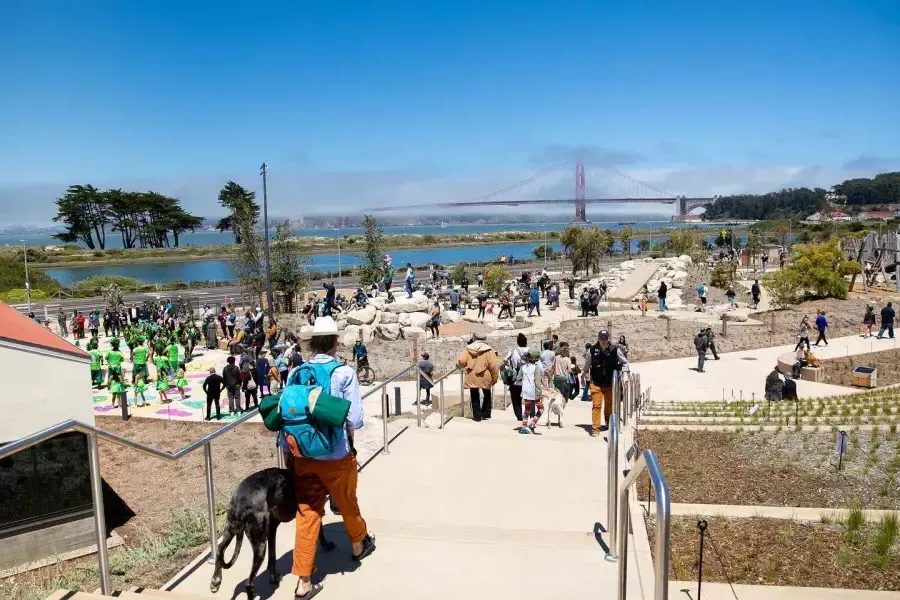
column 518, row 184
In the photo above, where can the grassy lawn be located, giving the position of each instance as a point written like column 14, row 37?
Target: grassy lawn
column 759, row 551
column 786, row 468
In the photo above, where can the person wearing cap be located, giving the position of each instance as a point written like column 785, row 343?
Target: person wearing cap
column 604, row 360
column 212, row 386
column 482, row 368
column 335, row 475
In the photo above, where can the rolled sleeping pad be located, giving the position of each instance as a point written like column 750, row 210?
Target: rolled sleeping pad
column 328, row 409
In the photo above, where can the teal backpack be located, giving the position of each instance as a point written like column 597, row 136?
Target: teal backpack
column 314, row 437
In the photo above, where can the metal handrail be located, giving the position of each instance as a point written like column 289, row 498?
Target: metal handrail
column 93, row 433
column 612, row 482
column 646, row 462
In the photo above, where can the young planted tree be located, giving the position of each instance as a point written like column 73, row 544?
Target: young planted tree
column 248, row 264
column 754, row 246
column 625, row 236
column 569, row 239
column 372, row 267
column 290, row 272
column 495, row 278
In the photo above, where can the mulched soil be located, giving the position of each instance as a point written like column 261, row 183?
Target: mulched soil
column 776, row 469
column 152, row 488
column 887, row 363
column 761, row 551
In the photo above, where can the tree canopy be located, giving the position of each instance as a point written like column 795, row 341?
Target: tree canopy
column 372, row 268
column 144, row 219
column 241, row 205
column 789, row 202
column 882, row 189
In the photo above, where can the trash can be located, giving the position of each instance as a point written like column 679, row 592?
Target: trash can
column 866, row 377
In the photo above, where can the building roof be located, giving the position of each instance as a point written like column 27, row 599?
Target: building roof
column 17, row 328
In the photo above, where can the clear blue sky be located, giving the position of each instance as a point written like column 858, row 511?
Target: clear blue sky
column 441, row 97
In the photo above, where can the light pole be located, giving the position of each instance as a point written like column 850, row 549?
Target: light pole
column 340, row 272
column 27, row 283
column 544, row 227
column 264, row 171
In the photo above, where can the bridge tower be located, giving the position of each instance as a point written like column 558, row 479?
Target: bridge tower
column 580, row 216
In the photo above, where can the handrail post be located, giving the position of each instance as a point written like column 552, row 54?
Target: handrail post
column 99, row 512
column 418, row 375
column 210, row 501
column 612, row 495
column 384, row 419
column 614, row 409
column 441, row 392
column 462, row 393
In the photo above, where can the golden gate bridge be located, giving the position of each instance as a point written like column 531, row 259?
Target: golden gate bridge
column 545, row 187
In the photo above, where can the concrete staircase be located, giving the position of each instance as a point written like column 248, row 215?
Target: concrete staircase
column 475, row 511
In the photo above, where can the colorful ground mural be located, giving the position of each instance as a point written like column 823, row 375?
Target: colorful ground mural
column 190, row 408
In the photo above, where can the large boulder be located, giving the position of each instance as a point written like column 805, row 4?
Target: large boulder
column 413, row 333
column 342, row 324
column 679, row 279
column 351, row 334
column 362, row 316
column 407, row 305
column 388, row 318
column 472, row 318
column 735, row 317
column 450, row 316
column 505, row 325
column 388, row 331
column 416, row 319
column 377, row 302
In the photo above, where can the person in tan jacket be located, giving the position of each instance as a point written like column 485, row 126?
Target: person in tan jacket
column 482, row 369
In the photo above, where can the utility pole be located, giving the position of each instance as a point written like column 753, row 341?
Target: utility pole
column 545, row 246
column 27, row 282
column 340, row 271
column 271, row 300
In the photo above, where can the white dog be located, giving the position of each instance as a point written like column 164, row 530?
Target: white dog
column 557, row 407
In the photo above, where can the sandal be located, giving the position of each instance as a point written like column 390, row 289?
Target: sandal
column 368, row 548
column 313, row 590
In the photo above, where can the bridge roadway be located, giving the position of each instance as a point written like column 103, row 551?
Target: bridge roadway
column 473, row 511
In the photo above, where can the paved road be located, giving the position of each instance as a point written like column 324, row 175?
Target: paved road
column 218, row 295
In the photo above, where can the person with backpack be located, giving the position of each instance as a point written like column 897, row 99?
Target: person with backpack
column 534, row 304
column 509, row 371
column 604, row 360
column 755, row 292
column 585, row 302
column 702, row 292
column 323, row 458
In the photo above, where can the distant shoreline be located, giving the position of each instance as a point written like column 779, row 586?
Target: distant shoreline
column 350, row 245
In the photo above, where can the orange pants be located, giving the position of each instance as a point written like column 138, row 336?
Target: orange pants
column 317, row 479
column 601, row 406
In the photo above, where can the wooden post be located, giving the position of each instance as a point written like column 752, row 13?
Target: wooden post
column 609, row 327
column 724, row 326
column 772, row 328
column 415, row 354
column 668, row 327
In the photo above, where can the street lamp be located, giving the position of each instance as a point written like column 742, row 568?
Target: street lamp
column 27, row 282
column 263, row 170
column 544, row 227
column 340, row 272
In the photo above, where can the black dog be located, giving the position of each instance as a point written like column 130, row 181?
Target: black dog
column 259, row 505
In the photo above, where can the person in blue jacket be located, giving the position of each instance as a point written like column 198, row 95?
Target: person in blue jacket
column 821, row 325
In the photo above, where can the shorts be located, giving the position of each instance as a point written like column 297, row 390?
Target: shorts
column 703, row 300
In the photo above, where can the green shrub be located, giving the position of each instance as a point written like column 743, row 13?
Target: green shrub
column 722, row 275
column 19, row 296
column 96, row 283
column 495, row 278
column 12, row 277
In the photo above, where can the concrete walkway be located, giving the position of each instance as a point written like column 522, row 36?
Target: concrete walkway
column 677, row 380
column 788, row 513
column 474, row 511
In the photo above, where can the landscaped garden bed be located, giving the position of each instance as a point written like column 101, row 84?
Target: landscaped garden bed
column 839, row 370
column 852, row 554
column 786, row 468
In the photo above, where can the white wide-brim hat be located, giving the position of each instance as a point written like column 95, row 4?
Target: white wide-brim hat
column 324, row 326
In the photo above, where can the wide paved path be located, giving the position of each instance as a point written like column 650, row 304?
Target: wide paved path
column 677, row 380
column 474, row 511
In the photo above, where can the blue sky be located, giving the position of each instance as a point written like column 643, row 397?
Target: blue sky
column 360, row 103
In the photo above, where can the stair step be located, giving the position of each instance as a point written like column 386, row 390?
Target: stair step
column 70, row 595
column 146, row 594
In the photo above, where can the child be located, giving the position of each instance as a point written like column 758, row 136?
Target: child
column 172, row 350
column 182, row 381
column 114, row 359
column 162, row 384
column 139, row 388
column 96, row 363
column 116, row 388
column 575, row 380
column 162, row 366
column 529, row 377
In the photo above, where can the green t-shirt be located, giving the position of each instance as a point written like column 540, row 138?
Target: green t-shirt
column 95, row 360
column 173, row 352
column 114, row 359
column 141, row 353
column 161, row 363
